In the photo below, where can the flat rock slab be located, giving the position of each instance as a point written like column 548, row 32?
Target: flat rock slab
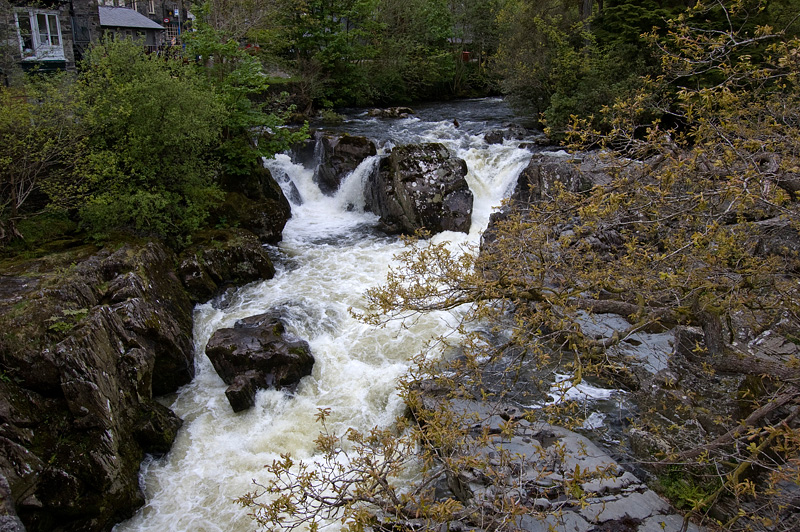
column 570, row 484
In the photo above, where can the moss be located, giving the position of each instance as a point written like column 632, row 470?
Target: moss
column 686, row 488
column 42, row 234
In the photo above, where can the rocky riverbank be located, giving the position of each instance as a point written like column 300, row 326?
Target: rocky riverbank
column 91, row 336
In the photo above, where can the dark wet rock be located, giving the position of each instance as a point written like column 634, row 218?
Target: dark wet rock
column 339, row 156
column 82, row 361
column 220, row 258
column 9, row 521
column 90, row 337
column 421, row 186
column 241, row 393
column 510, row 132
column 258, row 353
column 546, row 171
column 391, row 112
column 254, row 202
column 305, row 152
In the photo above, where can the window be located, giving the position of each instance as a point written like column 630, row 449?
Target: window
column 151, row 7
column 39, row 35
column 173, row 34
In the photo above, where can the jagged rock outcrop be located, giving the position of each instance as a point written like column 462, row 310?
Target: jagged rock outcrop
column 548, row 170
column 9, row 521
column 221, row 258
column 576, row 173
column 258, row 353
column 87, row 345
column 254, row 202
column 340, row 155
column 566, row 481
column 421, row 186
column 90, row 337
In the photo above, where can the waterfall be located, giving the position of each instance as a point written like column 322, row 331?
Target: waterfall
column 330, row 255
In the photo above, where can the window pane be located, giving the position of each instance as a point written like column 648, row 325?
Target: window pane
column 25, row 31
column 41, row 20
column 53, row 24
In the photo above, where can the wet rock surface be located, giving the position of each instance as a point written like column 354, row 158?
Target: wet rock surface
column 90, row 337
column 575, row 173
column 341, row 154
column 510, row 132
column 391, row 112
column 258, row 353
column 222, row 258
column 254, row 202
column 566, row 482
column 421, row 186
column 82, row 360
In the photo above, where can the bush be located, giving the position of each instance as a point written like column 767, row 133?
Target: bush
column 151, row 123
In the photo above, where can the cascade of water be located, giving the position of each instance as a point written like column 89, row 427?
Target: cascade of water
column 329, row 256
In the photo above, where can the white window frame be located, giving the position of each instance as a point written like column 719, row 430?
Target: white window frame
column 46, row 41
column 151, row 7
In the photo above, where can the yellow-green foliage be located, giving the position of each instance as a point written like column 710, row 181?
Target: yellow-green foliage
column 681, row 234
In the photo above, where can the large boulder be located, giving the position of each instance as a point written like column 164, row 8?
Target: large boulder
column 254, row 202
column 340, row 155
column 220, row 258
column 547, row 170
column 257, row 352
column 421, row 186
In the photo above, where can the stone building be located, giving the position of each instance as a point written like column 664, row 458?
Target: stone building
column 51, row 35
column 126, row 23
column 172, row 15
column 48, row 34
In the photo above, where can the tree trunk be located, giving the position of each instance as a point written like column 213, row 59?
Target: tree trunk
column 585, row 9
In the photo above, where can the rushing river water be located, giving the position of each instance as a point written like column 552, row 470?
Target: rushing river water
column 330, row 255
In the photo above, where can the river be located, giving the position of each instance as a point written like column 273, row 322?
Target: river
column 330, row 255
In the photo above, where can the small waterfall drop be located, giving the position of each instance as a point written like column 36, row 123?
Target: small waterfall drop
column 329, row 256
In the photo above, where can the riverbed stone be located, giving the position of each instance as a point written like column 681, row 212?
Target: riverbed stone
column 421, row 187
column 391, row 112
column 258, row 353
column 339, row 156
column 509, row 132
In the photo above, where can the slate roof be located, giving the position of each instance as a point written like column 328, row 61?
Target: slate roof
column 122, row 17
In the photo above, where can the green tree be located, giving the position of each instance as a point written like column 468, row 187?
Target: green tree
column 39, row 140
column 414, row 59
column 151, row 122
column 532, row 35
column 239, row 83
